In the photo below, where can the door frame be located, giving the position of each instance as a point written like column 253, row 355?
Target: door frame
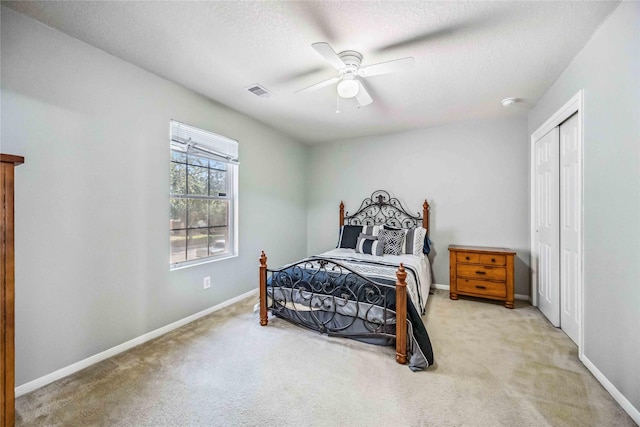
column 571, row 107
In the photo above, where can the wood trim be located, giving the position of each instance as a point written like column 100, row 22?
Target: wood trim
column 425, row 215
column 401, row 316
column 453, row 280
column 10, row 158
column 510, row 282
column 6, row 296
column 341, row 214
column 481, row 249
column 7, row 289
column 263, row 290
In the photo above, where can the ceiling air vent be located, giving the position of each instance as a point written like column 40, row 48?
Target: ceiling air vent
column 258, row 90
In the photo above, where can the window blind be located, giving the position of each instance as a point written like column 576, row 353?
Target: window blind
column 191, row 140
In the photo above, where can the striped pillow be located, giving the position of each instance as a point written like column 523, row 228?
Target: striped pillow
column 371, row 230
column 414, row 241
column 370, row 245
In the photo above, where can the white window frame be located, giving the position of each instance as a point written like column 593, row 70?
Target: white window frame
column 202, row 144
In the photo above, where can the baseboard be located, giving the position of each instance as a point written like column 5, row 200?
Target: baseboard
column 85, row 363
column 446, row 288
column 633, row 412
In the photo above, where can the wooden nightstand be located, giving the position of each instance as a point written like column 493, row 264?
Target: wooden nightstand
column 481, row 272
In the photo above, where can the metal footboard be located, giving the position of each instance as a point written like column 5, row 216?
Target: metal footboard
column 325, row 296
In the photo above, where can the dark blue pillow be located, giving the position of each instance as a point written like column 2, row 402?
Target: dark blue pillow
column 349, row 236
column 426, row 248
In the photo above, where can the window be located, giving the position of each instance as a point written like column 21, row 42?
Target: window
column 203, row 195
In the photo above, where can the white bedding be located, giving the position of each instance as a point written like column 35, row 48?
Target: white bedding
column 419, row 262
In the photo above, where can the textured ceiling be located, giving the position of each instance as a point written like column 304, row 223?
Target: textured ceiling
column 469, row 55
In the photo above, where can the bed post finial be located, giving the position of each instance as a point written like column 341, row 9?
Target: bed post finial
column 341, row 213
column 425, row 215
column 401, row 274
column 401, row 316
column 263, row 289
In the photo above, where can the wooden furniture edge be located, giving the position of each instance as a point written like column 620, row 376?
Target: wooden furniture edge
column 263, row 290
column 510, row 280
column 10, row 158
column 453, row 283
column 7, row 289
column 425, row 215
column 487, row 249
column 401, row 315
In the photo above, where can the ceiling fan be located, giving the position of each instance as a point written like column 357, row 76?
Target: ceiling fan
column 349, row 72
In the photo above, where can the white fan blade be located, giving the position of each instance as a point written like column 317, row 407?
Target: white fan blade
column 387, row 67
column 329, row 54
column 363, row 96
column 320, row 85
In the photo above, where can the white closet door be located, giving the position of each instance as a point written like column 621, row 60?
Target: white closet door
column 547, row 215
column 570, row 222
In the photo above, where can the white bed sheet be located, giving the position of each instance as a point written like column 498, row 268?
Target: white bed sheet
column 419, row 262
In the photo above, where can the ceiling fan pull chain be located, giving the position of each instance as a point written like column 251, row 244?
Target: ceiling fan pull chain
column 337, row 104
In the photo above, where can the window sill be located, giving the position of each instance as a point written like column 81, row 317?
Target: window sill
column 195, row 263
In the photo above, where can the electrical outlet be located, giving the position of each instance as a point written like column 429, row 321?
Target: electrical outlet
column 207, row 282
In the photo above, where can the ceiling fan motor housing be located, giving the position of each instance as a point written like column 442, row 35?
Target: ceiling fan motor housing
column 351, row 59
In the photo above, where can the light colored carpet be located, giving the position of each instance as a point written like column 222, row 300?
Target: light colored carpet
column 494, row 367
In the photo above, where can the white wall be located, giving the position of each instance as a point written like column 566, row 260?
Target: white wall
column 92, row 242
column 474, row 175
column 609, row 72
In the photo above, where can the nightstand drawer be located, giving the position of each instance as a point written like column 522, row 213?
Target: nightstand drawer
column 488, row 272
column 467, row 257
column 482, row 287
column 488, row 259
column 493, row 259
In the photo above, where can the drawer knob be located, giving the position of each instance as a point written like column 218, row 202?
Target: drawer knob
column 467, row 258
column 481, row 272
column 481, row 287
column 493, row 260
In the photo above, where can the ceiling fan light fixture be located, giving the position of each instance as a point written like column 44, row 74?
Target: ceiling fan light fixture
column 350, row 73
column 348, row 88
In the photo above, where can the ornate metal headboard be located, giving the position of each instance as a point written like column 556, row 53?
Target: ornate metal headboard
column 382, row 209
